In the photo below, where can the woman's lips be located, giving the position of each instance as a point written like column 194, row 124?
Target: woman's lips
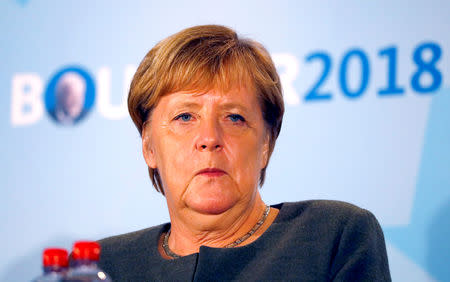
column 211, row 172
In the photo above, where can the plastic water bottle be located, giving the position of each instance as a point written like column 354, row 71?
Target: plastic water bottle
column 55, row 262
column 83, row 266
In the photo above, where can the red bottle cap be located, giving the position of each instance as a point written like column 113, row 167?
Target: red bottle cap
column 55, row 257
column 88, row 250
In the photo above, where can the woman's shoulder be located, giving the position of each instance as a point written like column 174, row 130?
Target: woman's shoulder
column 321, row 205
column 328, row 212
column 348, row 235
column 131, row 241
column 129, row 253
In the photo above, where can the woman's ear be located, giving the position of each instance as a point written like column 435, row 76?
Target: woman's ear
column 265, row 151
column 147, row 148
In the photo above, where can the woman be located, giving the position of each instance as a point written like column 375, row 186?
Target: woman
column 209, row 108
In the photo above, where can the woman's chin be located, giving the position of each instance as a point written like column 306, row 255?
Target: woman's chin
column 210, row 206
column 211, row 195
column 211, row 201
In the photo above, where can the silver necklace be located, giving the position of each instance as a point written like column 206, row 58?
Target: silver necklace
column 260, row 222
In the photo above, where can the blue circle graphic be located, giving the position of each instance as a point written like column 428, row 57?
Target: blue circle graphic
column 70, row 95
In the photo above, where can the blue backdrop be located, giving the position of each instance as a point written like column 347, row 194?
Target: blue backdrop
column 367, row 119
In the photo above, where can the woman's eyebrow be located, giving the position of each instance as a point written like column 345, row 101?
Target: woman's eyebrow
column 187, row 104
column 230, row 106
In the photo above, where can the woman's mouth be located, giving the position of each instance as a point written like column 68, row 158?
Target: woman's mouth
column 211, row 172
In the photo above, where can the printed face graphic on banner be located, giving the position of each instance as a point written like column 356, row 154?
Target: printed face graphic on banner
column 70, row 92
column 70, row 96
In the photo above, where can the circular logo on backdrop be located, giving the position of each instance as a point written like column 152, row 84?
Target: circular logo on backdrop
column 70, row 95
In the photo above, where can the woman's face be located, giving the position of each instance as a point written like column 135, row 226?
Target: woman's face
column 209, row 148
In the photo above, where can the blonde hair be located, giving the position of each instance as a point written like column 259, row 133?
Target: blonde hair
column 203, row 58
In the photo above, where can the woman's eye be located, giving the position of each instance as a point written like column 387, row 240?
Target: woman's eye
column 184, row 117
column 236, row 118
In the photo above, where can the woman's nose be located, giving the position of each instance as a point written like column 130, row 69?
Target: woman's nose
column 209, row 137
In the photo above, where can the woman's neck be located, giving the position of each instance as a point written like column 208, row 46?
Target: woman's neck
column 190, row 231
